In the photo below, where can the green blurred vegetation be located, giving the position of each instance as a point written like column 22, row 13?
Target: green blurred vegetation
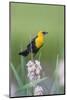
column 29, row 19
column 26, row 21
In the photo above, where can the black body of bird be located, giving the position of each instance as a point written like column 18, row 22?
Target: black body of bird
column 34, row 45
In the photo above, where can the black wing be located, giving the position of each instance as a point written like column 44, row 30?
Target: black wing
column 32, row 46
column 32, row 42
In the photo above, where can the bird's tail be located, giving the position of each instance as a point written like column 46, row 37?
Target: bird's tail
column 24, row 53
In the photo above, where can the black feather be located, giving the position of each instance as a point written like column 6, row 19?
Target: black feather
column 24, row 53
column 30, row 48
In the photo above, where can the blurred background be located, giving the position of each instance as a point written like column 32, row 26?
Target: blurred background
column 26, row 21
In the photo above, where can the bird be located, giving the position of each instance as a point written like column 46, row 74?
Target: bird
column 35, row 44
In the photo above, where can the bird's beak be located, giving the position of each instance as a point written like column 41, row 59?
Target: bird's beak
column 45, row 33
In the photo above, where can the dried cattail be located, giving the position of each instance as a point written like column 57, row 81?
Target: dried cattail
column 34, row 68
column 38, row 90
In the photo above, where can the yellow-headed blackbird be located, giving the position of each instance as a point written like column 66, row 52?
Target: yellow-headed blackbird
column 35, row 44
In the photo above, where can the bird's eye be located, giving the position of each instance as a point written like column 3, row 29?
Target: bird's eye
column 45, row 33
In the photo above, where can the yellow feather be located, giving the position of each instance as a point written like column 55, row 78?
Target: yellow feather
column 39, row 41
